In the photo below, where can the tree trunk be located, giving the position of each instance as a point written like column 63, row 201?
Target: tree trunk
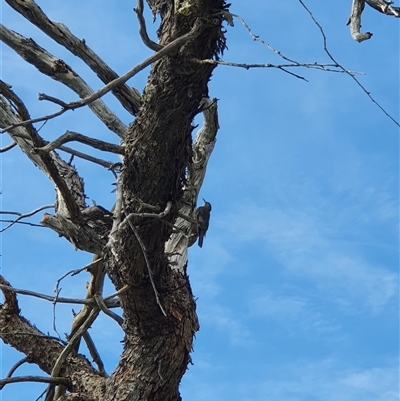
column 158, row 155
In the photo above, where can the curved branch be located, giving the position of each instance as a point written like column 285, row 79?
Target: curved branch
column 70, row 136
column 15, row 367
column 8, row 147
column 355, row 22
column 129, row 99
column 58, row 70
column 143, row 31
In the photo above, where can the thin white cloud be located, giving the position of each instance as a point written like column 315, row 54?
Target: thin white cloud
column 225, row 320
column 322, row 380
column 325, row 381
column 305, row 244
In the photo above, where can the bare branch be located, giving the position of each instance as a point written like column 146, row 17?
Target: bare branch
column 43, row 96
column 58, row 70
column 315, row 66
column 69, row 348
column 14, row 368
column 74, row 136
column 25, row 215
column 89, row 158
column 24, row 223
column 103, row 307
column 151, row 215
column 166, row 50
column 384, row 7
column 94, row 353
column 228, row 16
column 130, row 99
column 343, row 69
column 117, row 293
column 38, row 379
column 143, row 31
column 355, row 22
column 8, row 147
column 4, row 287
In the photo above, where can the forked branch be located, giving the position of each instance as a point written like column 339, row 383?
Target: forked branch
column 74, row 136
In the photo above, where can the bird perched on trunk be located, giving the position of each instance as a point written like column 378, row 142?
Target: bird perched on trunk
column 203, row 220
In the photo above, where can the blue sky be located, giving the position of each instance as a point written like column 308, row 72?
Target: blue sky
column 297, row 281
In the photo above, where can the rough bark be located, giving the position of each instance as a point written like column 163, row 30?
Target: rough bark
column 157, row 347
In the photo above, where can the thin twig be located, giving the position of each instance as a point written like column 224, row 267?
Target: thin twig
column 23, row 223
column 73, row 272
column 24, row 215
column 46, row 297
column 256, row 38
column 283, row 67
column 142, row 246
column 343, row 69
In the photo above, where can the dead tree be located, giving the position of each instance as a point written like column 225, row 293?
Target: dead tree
column 141, row 242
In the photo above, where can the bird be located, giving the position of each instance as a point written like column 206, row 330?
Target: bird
column 203, row 220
